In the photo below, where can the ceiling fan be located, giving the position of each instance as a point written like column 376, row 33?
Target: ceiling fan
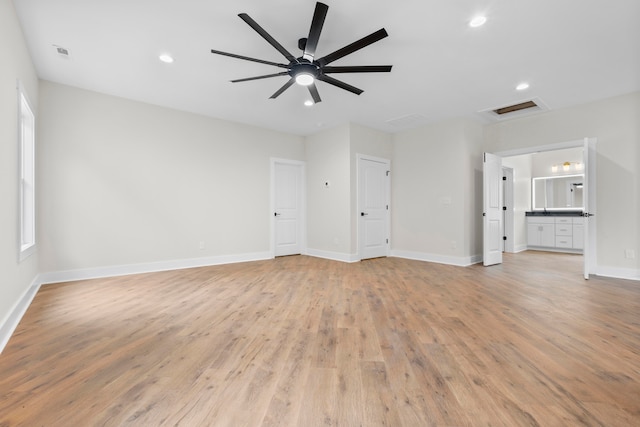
column 306, row 69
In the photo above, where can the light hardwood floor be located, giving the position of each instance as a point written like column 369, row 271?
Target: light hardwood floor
column 301, row 341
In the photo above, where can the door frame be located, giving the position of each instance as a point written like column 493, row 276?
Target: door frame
column 359, row 231
column 302, row 204
column 508, row 201
column 590, row 255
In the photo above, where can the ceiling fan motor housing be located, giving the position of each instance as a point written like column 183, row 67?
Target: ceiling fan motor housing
column 303, row 66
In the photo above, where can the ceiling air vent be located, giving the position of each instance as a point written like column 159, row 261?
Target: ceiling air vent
column 518, row 109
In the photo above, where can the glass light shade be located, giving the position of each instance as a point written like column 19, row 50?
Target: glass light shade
column 304, row 79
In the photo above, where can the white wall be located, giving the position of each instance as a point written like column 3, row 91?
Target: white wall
column 331, row 156
column 130, row 183
column 436, row 192
column 328, row 208
column 15, row 278
column 615, row 122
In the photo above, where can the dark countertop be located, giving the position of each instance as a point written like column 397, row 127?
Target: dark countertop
column 553, row 213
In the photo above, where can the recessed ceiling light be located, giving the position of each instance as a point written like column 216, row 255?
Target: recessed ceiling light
column 478, row 21
column 308, row 103
column 522, row 86
column 166, row 58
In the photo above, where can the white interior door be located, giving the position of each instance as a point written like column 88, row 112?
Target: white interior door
column 287, row 202
column 589, row 198
column 373, row 207
column 492, row 209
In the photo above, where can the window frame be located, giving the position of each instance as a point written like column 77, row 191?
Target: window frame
column 26, row 175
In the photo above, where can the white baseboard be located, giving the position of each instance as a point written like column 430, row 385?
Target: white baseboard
column 440, row 259
column 618, row 273
column 520, row 248
column 123, row 270
column 11, row 321
column 335, row 256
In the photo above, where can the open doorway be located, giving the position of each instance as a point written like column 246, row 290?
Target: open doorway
column 550, row 184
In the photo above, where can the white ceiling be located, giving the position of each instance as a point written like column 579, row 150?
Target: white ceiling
column 570, row 52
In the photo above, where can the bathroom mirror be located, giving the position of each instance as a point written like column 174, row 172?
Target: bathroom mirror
column 557, row 192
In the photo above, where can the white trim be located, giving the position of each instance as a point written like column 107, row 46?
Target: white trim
column 123, row 270
column 618, row 273
column 520, row 248
column 559, row 250
column 12, row 319
column 27, row 175
column 440, row 259
column 508, row 218
column 578, row 143
column 303, row 204
column 335, row 256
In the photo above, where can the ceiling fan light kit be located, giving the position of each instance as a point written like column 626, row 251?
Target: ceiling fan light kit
column 305, row 70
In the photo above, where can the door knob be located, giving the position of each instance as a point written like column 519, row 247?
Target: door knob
column 363, row 213
column 276, row 214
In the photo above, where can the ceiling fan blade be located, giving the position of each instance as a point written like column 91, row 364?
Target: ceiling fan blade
column 313, row 90
column 246, row 58
column 283, row 88
column 284, row 73
column 338, row 83
column 357, row 45
column 314, row 32
column 358, row 69
column 253, row 24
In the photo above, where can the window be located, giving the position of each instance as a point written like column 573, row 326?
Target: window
column 27, row 145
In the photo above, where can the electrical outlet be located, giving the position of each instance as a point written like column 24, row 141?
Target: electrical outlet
column 629, row 253
column 454, row 244
column 201, row 245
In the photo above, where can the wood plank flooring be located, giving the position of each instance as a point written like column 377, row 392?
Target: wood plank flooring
column 301, row 341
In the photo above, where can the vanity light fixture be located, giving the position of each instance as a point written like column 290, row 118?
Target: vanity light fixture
column 566, row 167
